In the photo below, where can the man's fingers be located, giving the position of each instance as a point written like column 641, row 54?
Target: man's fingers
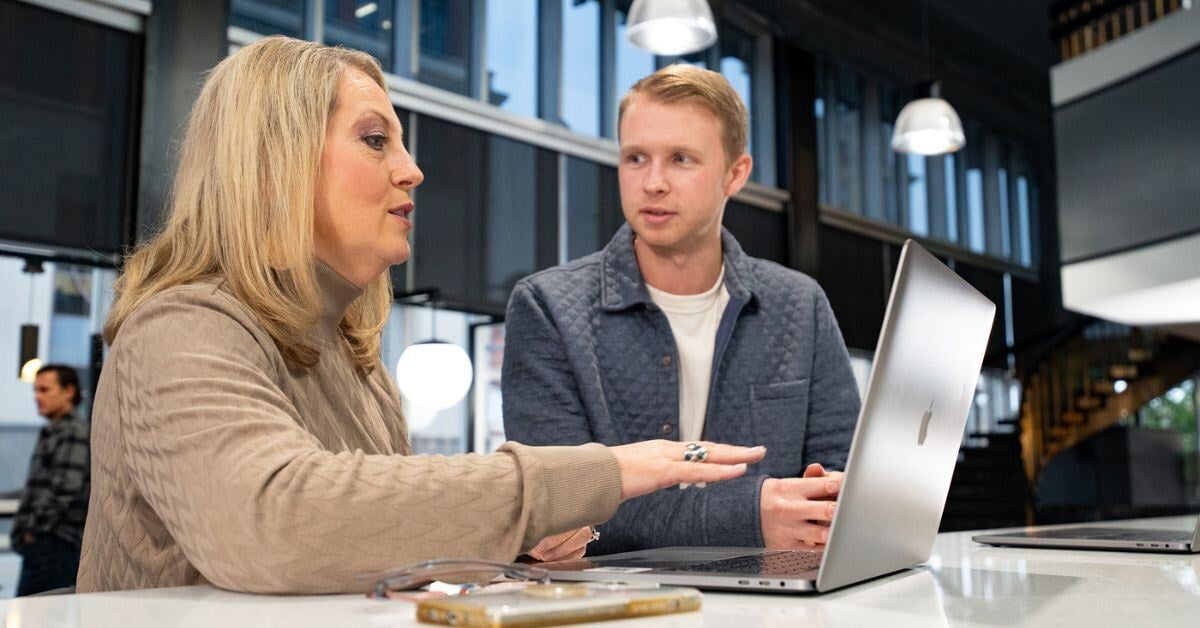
column 811, row 488
column 801, row 510
column 804, row 536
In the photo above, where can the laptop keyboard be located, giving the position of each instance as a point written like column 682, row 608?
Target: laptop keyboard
column 781, row 563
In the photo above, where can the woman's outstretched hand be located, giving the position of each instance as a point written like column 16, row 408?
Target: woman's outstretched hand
column 654, row 464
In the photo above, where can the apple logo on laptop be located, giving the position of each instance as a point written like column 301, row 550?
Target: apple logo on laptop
column 925, row 418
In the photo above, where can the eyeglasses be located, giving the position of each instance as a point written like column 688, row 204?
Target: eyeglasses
column 468, row 576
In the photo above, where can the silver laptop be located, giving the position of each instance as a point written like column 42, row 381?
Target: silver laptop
column 1098, row 537
column 905, row 445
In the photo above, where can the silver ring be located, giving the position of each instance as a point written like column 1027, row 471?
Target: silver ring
column 694, row 452
column 595, row 534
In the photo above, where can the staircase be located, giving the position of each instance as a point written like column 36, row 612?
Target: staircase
column 1087, row 381
column 989, row 488
column 1081, row 380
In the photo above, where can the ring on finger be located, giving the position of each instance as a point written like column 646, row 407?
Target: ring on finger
column 695, row 452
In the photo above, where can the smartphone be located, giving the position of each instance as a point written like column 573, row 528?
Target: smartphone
column 552, row 604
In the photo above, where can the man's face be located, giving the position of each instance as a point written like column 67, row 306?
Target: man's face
column 52, row 398
column 675, row 175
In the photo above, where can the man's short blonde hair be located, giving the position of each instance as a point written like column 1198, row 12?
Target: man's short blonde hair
column 687, row 83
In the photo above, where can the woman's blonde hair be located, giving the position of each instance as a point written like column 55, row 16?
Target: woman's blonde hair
column 241, row 207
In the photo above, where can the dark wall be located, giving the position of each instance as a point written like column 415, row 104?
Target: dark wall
column 1129, row 161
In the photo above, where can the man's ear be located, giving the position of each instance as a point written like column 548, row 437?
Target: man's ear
column 738, row 174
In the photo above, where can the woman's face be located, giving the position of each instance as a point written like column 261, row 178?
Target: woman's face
column 364, row 190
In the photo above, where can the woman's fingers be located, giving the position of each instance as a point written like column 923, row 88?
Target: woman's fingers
column 693, row 473
column 561, row 545
column 651, row 465
column 724, row 454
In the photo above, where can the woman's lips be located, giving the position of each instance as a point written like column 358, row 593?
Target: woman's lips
column 402, row 213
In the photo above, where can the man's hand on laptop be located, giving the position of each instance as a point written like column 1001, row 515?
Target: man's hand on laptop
column 796, row 512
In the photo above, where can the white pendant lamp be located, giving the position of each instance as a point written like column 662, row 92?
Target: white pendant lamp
column 928, row 126
column 671, row 27
column 434, row 374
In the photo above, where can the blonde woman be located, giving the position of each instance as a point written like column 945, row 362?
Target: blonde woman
column 245, row 432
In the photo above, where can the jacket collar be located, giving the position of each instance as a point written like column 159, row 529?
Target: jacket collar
column 622, row 286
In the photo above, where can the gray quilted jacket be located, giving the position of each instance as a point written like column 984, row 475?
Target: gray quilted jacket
column 589, row 358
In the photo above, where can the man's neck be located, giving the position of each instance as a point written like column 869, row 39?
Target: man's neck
column 59, row 415
column 680, row 271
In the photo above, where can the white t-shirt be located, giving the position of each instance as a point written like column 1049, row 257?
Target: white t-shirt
column 694, row 319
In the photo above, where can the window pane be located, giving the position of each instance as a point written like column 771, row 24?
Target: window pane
column 824, row 163
column 894, row 176
column 847, row 138
column 269, row 17
column 632, row 62
column 950, row 166
column 581, row 66
column 761, row 232
column 974, row 190
column 1025, row 248
column 364, row 25
column 65, row 110
column 486, row 394
column 512, row 42
column 485, row 231
column 737, row 65
column 918, row 197
column 593, row 206
column 445, row 55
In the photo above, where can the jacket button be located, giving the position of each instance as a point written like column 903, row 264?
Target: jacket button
column 666, row 428
column 666, row 360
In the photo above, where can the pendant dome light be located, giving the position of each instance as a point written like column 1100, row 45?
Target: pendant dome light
column 433, row 375
column 671, row 27
column 928, row 126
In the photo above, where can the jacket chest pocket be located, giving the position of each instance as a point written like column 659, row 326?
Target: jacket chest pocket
column 779, row 412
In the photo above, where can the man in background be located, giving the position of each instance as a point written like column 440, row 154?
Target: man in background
column 48, row 528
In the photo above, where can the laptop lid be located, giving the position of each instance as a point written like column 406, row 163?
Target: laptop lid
column 902, row 456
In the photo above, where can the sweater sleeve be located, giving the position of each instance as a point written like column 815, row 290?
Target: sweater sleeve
column 257, row 504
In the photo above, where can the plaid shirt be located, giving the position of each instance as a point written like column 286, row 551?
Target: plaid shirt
column 56, row 493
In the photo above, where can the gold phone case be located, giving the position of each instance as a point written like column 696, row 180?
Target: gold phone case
column 553, row 604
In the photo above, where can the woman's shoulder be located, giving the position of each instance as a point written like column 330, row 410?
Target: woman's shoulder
column 202, row 309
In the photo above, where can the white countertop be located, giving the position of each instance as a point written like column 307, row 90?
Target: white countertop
column 964, row 584
column 8, row 507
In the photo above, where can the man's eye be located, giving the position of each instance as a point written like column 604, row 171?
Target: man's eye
column 376, row 142
column 683, row 159
column 636, row 159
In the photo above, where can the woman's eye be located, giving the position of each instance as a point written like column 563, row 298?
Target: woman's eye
column 376, row 142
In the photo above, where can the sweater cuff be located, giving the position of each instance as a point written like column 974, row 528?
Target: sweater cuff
column 582, row 485
column 731, row 513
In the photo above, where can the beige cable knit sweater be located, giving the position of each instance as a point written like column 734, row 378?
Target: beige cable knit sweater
column 214, row 462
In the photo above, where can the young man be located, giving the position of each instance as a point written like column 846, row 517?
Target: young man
column 48, row 528
column 673, row 332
